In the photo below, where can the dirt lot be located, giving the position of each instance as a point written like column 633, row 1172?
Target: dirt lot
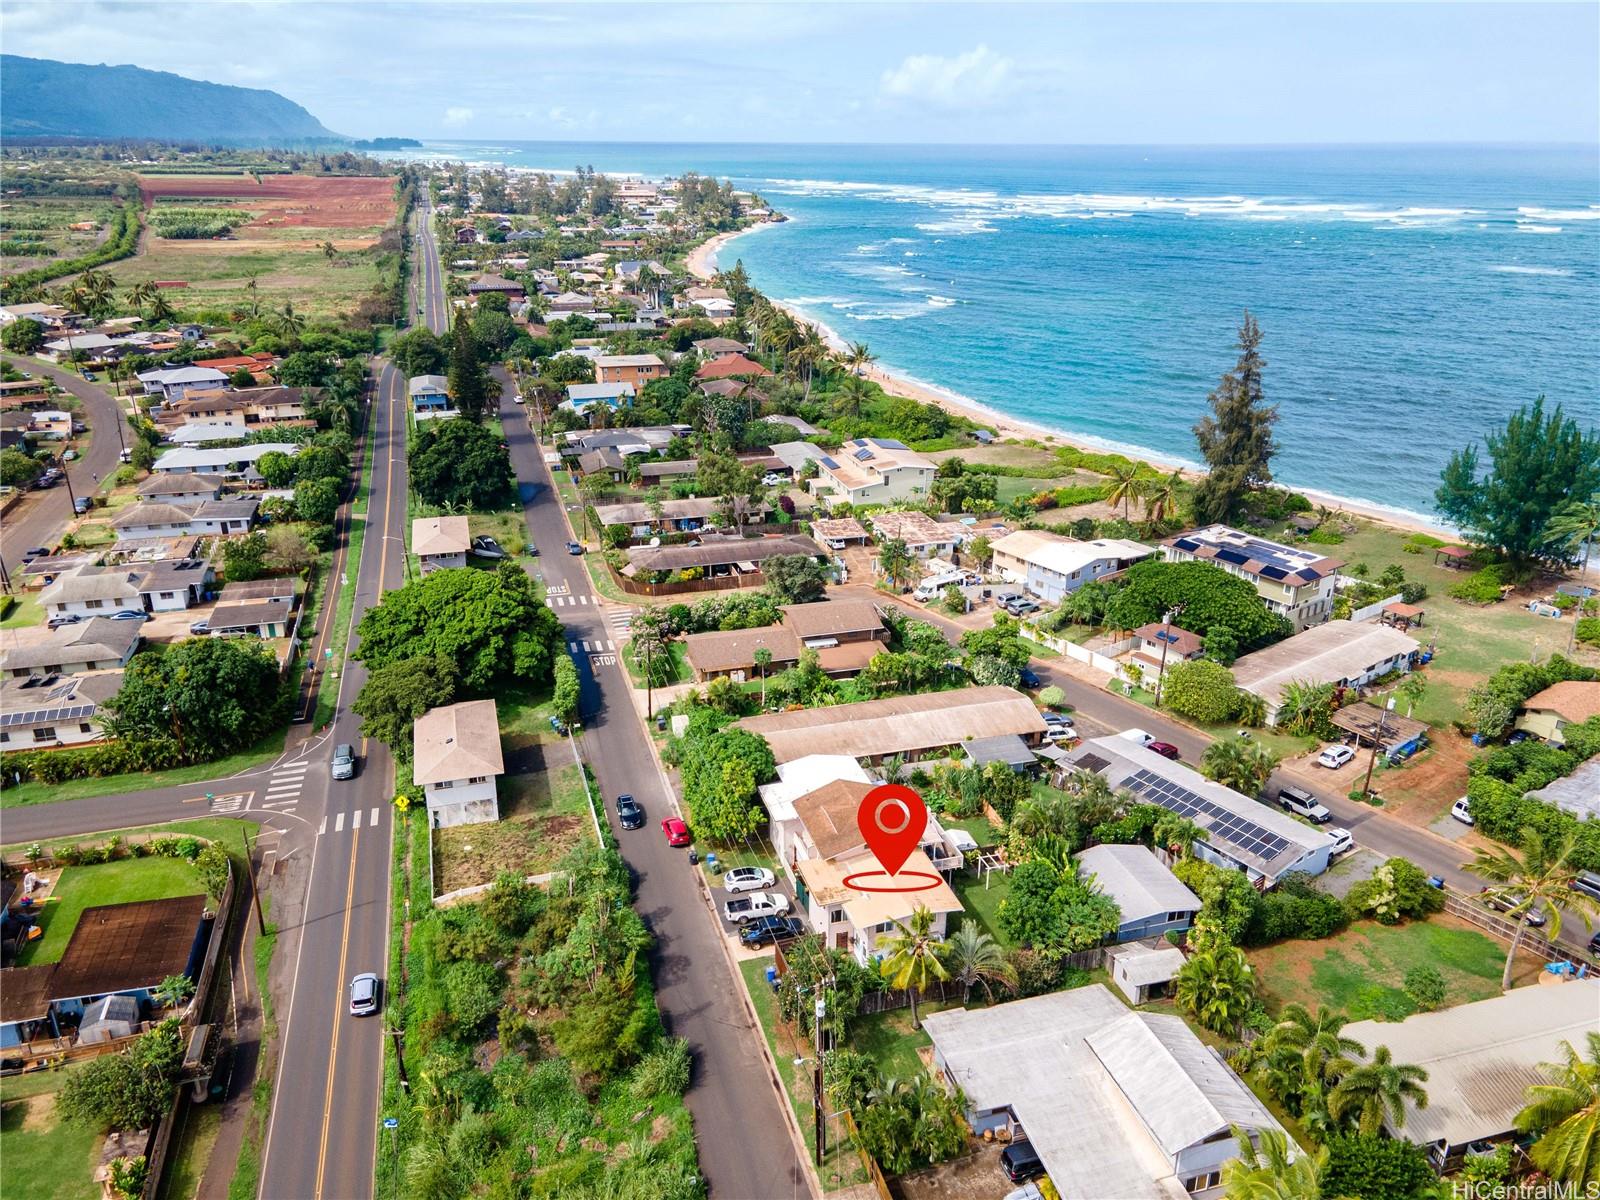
column 321, row 201
column 975, row 1176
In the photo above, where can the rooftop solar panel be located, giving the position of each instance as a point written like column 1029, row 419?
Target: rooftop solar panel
column 829, row 463
column 1270, row 572
column 1238, row 830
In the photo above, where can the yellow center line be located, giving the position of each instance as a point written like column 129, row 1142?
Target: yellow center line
column 338, row 1014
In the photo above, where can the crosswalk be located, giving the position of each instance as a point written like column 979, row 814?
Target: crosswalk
column 282, row 792
column 228, row 804
column 341, row 822
column 564, row 601
column 621, row 622
column 597, row 646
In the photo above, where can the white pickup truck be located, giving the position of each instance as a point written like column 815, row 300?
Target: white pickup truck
column 743, row 909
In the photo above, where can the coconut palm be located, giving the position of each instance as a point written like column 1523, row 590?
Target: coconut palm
column 286, row 322
column 1304, row 705
column 913, row 958
column 140, row 294
column 974, row 957
column 1043, row 814
column 1161, row 497
column 1566, row 1113
column 1269, row 1173
column 857, row 358
column 98, row 286
column 1305, row 1055
column 807, row 354
column 1370, row 1093
column 1176, row 834
column 1539, row 877
column 1125, row 487
column 1573, row 527
column 852, row 396
column 254, row 297
column 161, row 309
column 1240, row 763
column 763, row 660
column 1216, row 987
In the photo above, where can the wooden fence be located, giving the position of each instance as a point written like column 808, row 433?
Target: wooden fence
column 1534, row 941
column 874, row 1172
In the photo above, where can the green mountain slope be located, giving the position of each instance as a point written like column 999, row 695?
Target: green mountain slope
column 40, row 97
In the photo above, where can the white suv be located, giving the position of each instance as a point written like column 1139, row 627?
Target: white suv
column 747, row 879
column 1335, row 757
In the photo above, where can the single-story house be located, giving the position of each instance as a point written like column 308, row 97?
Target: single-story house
column 440, row 542
column 839, row 532
column 923, row 536
column 655, row 472
column 1153, row 900
column 1236, row 831
column 91, row 591
column 676, row 516
column 795, row 455
column 1050, row 566
column 181, row 488
column 174, row 584
column 151, row 518
column 98, row 644
column 608, row 460
column 913, row 727
column 1347, row 654
column 234, row 462
column 1546, row 714
column 718, row 347
column 801, row 426
column 1005, row 748
column 715, row 309
column 1481, row 1058
column 54, row 710
column 731, row 366
column 277, row 587
column 429, row 394
column 457, row 762
column 717, row 555
column 1115, row 1103
column 1393, row 733
column 266, row 619
column 498, row 285
column 582, row 396
column 846, row 635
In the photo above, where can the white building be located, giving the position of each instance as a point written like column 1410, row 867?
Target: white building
column 91, row 592
column 1347, row 654
column 98, row 644
column 55, row 710
column 457, row 762
column 440, row 542
column 173, row 383
column 872, row 471
column 1291, row 582
column 234, row 462
column 1050, row 566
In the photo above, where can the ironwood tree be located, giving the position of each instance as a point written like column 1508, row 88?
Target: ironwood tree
column 1236, row 438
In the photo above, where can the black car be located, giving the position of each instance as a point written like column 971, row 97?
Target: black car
column 1594, row 945
column 1020, row 1161
column 771, row 929
column 1030, row 678
column 533, row 551
column 34, row 552
column 629, row 812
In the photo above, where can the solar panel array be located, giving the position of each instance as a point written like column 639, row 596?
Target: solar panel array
column 74, row 712
column 1239, row 831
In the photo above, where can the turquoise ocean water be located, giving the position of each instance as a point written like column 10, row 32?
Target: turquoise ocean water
column 1411, row 297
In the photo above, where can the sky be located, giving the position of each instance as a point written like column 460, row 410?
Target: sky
column 862, row 72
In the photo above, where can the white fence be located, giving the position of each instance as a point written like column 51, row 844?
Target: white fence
column 1102, row 659
column 1373, row 609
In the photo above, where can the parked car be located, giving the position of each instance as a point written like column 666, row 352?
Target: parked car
column 677, row 832
column 1028, row 1191
column 1303, row 804
column 1021, row 608
column 630, row 813
column 364, row 995
column 557, row 724
column 1030, row 679
column 81, row 505
column 33, row 552
column 763, row 930
column 486, row 547
column 574, row 548
column 199, row 627
column 743, row 909
column 1461, row 810
column 1020, row 1161
column 661, row 722
column 1165, row 749
column 771, row 479
column 748, row 879
column 1342, row 840
column 1137, row 736
column 533, row 551
column 1588, row 883
column 89, row 375
column 64, row 619
column 1594, row 944
column 344, row 761
column 1335, row 757
column 1055, row 718
column 125, row 455
column 129, row 614
column 68, row 455
column 1506, row 901
column 1007, row 599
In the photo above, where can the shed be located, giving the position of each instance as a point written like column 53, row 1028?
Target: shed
column 107, row 1019
column 1005, row 748
column 1142, row 972
column 1399, row 735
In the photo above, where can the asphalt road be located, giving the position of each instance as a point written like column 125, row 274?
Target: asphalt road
column 42, row 517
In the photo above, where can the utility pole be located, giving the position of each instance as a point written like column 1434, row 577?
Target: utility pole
column 1377, row 740
column 816, row 1081
column 1166, row 640
column 250, row 874
column 72, row 500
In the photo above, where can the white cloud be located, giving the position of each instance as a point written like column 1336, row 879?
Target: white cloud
column 976, row 77
column 457, row 116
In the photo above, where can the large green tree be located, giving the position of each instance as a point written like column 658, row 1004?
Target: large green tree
column 317, row 500
column 1202, row 597
column 491, row 624
column 469, row 383
column 130, row 1089
column 455, row 462
column 1201, row 689
column 1537, row 464
column 721, row 769
column 205, row 697
column 16, row 468
column 419, row 352
column 395, row 695
column 1236, row 438
column 795, row 578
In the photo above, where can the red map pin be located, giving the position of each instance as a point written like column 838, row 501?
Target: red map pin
column 891, row 819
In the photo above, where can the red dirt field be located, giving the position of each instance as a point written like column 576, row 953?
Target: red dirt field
column 313, row 200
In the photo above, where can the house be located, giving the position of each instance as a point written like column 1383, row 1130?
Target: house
column 50, row 424
column 802, row 427
column 607, row 460
column 220, row 518
column 872, row 471
column 98, row 644
column 440, row 542
column 838, row 532
column 1547, row 714
column 235, row 462
column 567, row 303
column 795, row 455
column 429, row 394
column 923, row 536
column 1395, row 735
column 457, row 762
column 281, row 587
column 1347, row 654
column 1578, row 793
column 635, row 369
column 634, row 440
column 173, row 383
column 731, row 366
column 731, row 652
column 1006, row 748
column 915, row 727
column 654, row 472
column 715, row 309
column 1291, row 582
column 1143, row 970
column 824, row 847
column 674, row 516
column 582, row 396
column 1162, row 646
column 1153, row 900
column 174, row 584
column 203, row 435
column 95, row 347
column 247, row 407
column 265, row 619
column 181, row 488
column 718, row 347
column 1050, row 566
column 719, row 556
column 1481, row 1058
column 496, row 285
column 1115, row 1103
column 259, row 365
column 846, row 635
column 90, row 591
column 54, row 710
column 1236, row 831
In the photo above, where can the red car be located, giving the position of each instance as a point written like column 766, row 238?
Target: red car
column 677, row 832
column 1165, row 749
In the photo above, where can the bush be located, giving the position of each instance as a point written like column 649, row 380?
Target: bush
column 1481, row 587
column 1376, row 1168
column 662, row 1072
column 1397, row 890
column 1295, row 909
column 1052, row 697
column 1426, row 987
column 1588, row 631
column 1201, row 689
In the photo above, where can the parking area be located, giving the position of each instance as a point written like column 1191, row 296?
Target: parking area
column 174, row 626
column 721, row 897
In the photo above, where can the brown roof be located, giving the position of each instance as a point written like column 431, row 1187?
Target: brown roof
column 913, row 528
column 735, row 649
column 25, row 994
column 719, row 345
column 1363, row 719
column 728, row 368
column 440, row 535
column 458, row 741
column 1183, row 642
column 177, row 485
column 719, row 552
column 839, row 529
column 830, row 618
column 115, row 947
column 722, row 387
column 829, row 815
column 849, row 657
column 1573, row 700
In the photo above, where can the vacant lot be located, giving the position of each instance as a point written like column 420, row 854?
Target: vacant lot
column 543, row 814
column 36, row 231
column 109, row 883
column 1362, row 971
column 313, row 200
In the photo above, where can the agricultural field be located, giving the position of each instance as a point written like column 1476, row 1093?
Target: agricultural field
column 37, row 231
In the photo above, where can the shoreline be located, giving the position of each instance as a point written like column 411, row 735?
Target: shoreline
column 701, row 262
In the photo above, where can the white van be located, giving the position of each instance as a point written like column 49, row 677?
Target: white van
column 933, row 587
column 1137, row 736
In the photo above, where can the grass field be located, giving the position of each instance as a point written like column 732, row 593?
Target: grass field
column 108, row 883
column 982, row 904
column 26, row 611
column 215, row 272
column 45, row 1157
column 1361, row 972
column 542, row 816
column 36, row 228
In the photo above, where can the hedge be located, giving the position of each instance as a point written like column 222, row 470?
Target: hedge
column 1501, row 812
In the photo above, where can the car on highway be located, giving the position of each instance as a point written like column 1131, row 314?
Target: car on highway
column 630, row 813
column 130, row 614
column 1165, row 749
column 82, row 504
column 1021, row 1162
column 748, row 879
column 61, row 619
column 677, row 832
column 364, row 995
column 344, row 761
column 1461, row 810
column 1335, row 757
column 771, row 929
column 574, row 548
column 1506, row 901
column 485, row 546
column 1303, row 804
column 741, row 910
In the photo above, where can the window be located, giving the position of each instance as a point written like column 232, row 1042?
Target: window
column 445, row 785
column 4, row 736
column 85, row 727
column 94, row 603
column 1200, row 1183
column 168, row 595
column 477, row 779
column 45, row 733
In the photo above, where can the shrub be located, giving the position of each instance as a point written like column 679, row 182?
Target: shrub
column 1397, row 890
column 1201, row 689
column 662, row 1072
column 1481, row 587
column 1376, row 1168
column 1425, row 986
column 1295, row 909
column 1052, row 697
column 1588, row 631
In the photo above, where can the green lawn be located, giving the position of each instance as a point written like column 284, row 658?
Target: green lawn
column 983, row 904
column 45, row 1157
column 109, row 883
column 525, row 712
column 26, row 611
column 1361, row 972
column 676, row 654
column 888, row 1039
column 1282, row 744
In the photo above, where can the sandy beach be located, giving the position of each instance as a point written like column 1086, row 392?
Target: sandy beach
column 702, row 263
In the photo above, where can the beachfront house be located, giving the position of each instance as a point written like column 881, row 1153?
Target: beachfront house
column 871, row 471
column 1294, row 583
column 1346, row 654
column 1050, row 566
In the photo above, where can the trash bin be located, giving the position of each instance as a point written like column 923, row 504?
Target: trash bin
column 713, row 864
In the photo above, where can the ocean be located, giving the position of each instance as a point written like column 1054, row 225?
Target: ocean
column 1410, row 297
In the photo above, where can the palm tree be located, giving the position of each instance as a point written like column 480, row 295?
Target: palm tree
column 1216, row 986
column 1371, row 1092
column 286, row 322
column 894, row 561
column 1242, row 764
column 1269, row 1173
column 1575, row 524
column 161, row 309
column 857, row 358
column 1306, row 1055
column 255, row 299
column 1161, row 497
column 1566, row 1114
column 975, row 957
column 329, row 251
column 97, row 285
column 914, row 954
column 763, row 660
column 1538, row 878
column 140, row 294
column 1304, row 705
column 852, row 396
column 1125, row 486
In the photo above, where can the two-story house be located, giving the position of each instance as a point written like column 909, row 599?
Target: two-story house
column 872, row 471
column 1294, row 583
column 430, row 394
column 1050, row 566
column 457, row 762
column 637, row 369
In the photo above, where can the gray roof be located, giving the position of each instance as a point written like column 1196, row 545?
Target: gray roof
column 99, row 639
column 91, row 583
column 1137, row 880
column 179, row 485
column 228, row 510
column 1578, row 793
column 69, row 698
column 719, row 551
column 153, row 513
column 1005, row 748
column 795, row 454
column 188, row 459
column 582, row 392
column 425, row 385
column 1334, row 652
column 247, row 614
column 659, row 470
column 803, row 427
column 282, row 587
column 694, row 507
